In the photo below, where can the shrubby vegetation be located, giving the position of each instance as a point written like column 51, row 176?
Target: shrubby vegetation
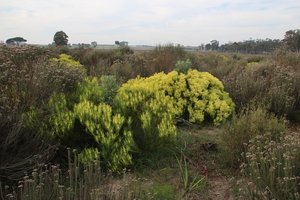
column 142, row 115
column 122, row 109
column 196, row 96
column 251, row 122
column 271, row 168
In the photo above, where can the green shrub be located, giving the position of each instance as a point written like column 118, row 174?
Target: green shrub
column 89, row 90
column 89, row 155
column 151, row 113
column 83, row 119
column 245, row 126
column 110, row 88
column 271, row 169
column 109, row 130
column 96, row 90
column 183, row 66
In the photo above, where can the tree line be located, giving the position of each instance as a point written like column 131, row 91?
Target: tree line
column 291, row 42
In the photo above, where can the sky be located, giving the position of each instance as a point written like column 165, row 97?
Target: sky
column 148, row 22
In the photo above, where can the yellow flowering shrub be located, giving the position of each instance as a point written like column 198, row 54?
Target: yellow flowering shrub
column 68, row 61
column 207, row 98
column 151, row 112
column 64, row 73
column 197, row 96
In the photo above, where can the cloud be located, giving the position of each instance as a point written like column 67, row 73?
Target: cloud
column 189, row 22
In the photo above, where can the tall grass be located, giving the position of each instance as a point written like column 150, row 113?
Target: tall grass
column 82, row 182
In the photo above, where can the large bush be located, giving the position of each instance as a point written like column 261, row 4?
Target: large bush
column 83, row 120
column 153, row 104
column 197, row 96
column 151, row 112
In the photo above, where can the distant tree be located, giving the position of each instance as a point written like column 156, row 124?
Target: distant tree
column 292, row 39
column 117, row 42
column 214, row 45
column 15, row 40
column 208, row 47
column 60, row 38
column 94, row 44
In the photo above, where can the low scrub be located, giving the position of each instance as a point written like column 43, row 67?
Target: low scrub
column 271, row 168
column 28, row 78
column 251, row 122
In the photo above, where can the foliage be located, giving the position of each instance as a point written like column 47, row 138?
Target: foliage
column 164, row 57
column 183, row 66
column 274, row 84
column 271, row 168
column 60, row 38
column 98, row 61
column 110, row 88
column 196, row 96
column 143, row 113
column 283, row 96
column 94, row 44
column 86, row 108
column 247, row 125
column 97, row 90
column 247, row 84
column 292, row 40
column 66, row 60
column 89, row 155
column 23, row 84
column 189, row 184
column 109, row 131
column 15, row 39
column 151, row 113
column 219, row 65
column 257, row 46
column 67, row 72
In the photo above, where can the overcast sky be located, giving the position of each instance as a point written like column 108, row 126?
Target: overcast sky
column 187, row 22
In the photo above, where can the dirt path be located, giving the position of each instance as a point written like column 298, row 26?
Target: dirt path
column 219, row 188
